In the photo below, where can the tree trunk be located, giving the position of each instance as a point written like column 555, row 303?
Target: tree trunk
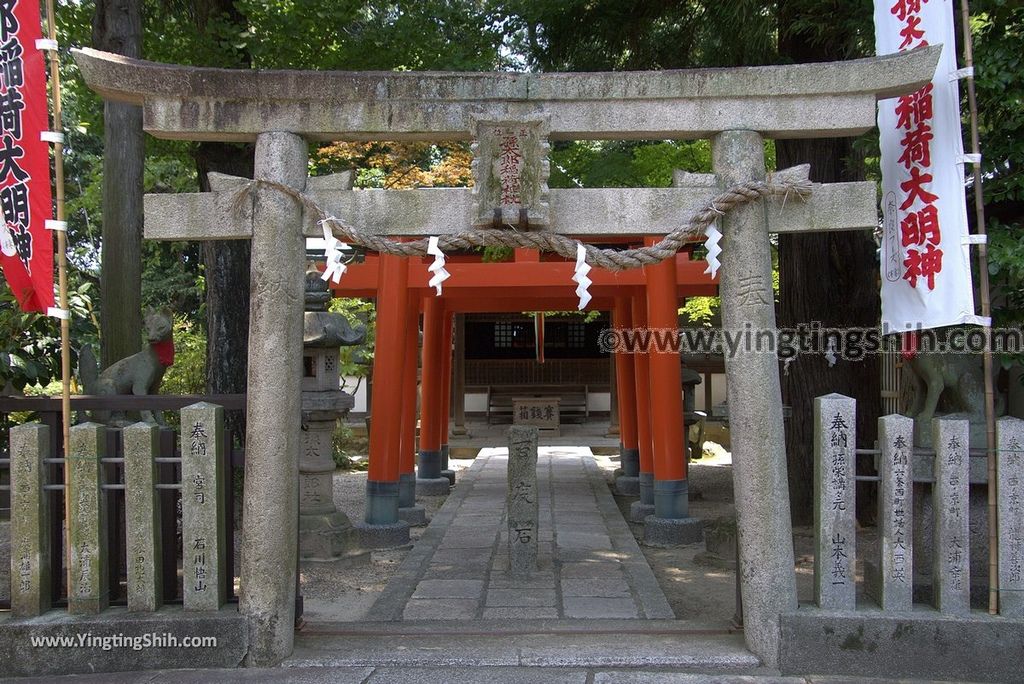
column 117, row 27
column 226, row 265
column 831, row 278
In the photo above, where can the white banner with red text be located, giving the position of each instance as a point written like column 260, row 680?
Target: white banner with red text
column 925, row 258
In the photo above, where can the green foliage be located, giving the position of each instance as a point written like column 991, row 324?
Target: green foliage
column 596, row 35
column 357, row 361
column 701, row 310
column 496, row 255
column 588, row 316
column 30, row 342
column 346, row 446
column 452, row 35
column 188, row 374
column 625, row 163
column 1006, row 270
column 999, row 33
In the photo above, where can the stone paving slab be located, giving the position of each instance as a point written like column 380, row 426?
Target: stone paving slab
column 589, row 564
column 720, row 652
column 451, row 675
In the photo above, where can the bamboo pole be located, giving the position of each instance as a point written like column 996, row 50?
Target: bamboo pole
column 62, row 272
column 986, row 312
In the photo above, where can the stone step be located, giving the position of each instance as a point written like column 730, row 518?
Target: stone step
column 585, row 647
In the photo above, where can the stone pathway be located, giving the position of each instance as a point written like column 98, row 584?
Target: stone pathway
column 589, row 563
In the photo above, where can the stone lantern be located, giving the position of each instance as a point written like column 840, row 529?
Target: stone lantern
column 325, row 533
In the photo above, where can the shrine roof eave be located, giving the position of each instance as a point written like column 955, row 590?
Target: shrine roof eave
column 787, row 101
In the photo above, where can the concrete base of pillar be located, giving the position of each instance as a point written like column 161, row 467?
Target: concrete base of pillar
column 639, row 511
column 646, row 488
column 630, row 461
column 428, row 464
column 449, row 475
column 416, row 515
column 381, row 503
column 391, row 536
column 627, row 486
column 671, row 532
column 671, row 499
column 327, row 537
column 406, row 490
column 439, row 486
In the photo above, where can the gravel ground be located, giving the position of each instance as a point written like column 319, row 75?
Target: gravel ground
column 345, row 593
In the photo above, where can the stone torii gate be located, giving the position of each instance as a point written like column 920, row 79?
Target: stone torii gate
column 283, row 111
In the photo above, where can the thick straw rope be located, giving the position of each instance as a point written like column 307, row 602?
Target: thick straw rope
column 614, row 260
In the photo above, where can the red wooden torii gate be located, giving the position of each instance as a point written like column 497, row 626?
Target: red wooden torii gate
column 650, row 402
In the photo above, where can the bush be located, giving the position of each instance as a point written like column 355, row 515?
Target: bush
column 347, row 445
column 188, row 374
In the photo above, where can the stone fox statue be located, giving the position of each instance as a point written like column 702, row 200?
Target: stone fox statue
column 138, row 374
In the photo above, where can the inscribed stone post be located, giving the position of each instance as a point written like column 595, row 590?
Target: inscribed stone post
column 87, row 529
column 1010, row 469
column 142, row 517
column 895, row 506
column 835, row 531
column 951, row 558
column 30, row 521
column 204, row 584
column 755, row 405
column 522, row 500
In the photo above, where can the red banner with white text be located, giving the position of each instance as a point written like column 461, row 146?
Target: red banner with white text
column 26, row 247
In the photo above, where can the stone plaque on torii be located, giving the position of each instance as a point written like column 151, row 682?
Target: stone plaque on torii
column 281, row 111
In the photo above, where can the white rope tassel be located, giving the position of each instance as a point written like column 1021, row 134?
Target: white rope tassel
column 714, row 236
column 437, row 268
column 333, row 251
column 580, row 277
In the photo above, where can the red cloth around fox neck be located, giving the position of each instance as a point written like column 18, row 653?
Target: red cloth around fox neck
column 164, row 352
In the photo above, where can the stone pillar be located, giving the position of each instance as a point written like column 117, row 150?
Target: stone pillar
column 628, row 483
column 204, row 580
column 895, row 512
column 670, row 524
column 1010, row 469
column 274, row 413
column 613, row 398
column 87, row 529
column 761, row 490
column 639, row 510
column 408, row 510
column 446, row 395
column 381, row 527
column 429, row 477
column 30, row 521
column 835, row 528
column 951, row 561
column 142, row 517
column 459, row 376
column 522, row 500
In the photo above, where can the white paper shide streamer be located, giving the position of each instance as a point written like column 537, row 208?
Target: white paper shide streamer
column 714, row 236
column 7, row 245
column 333, row 250
column 580, row 277
column 437, row 268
